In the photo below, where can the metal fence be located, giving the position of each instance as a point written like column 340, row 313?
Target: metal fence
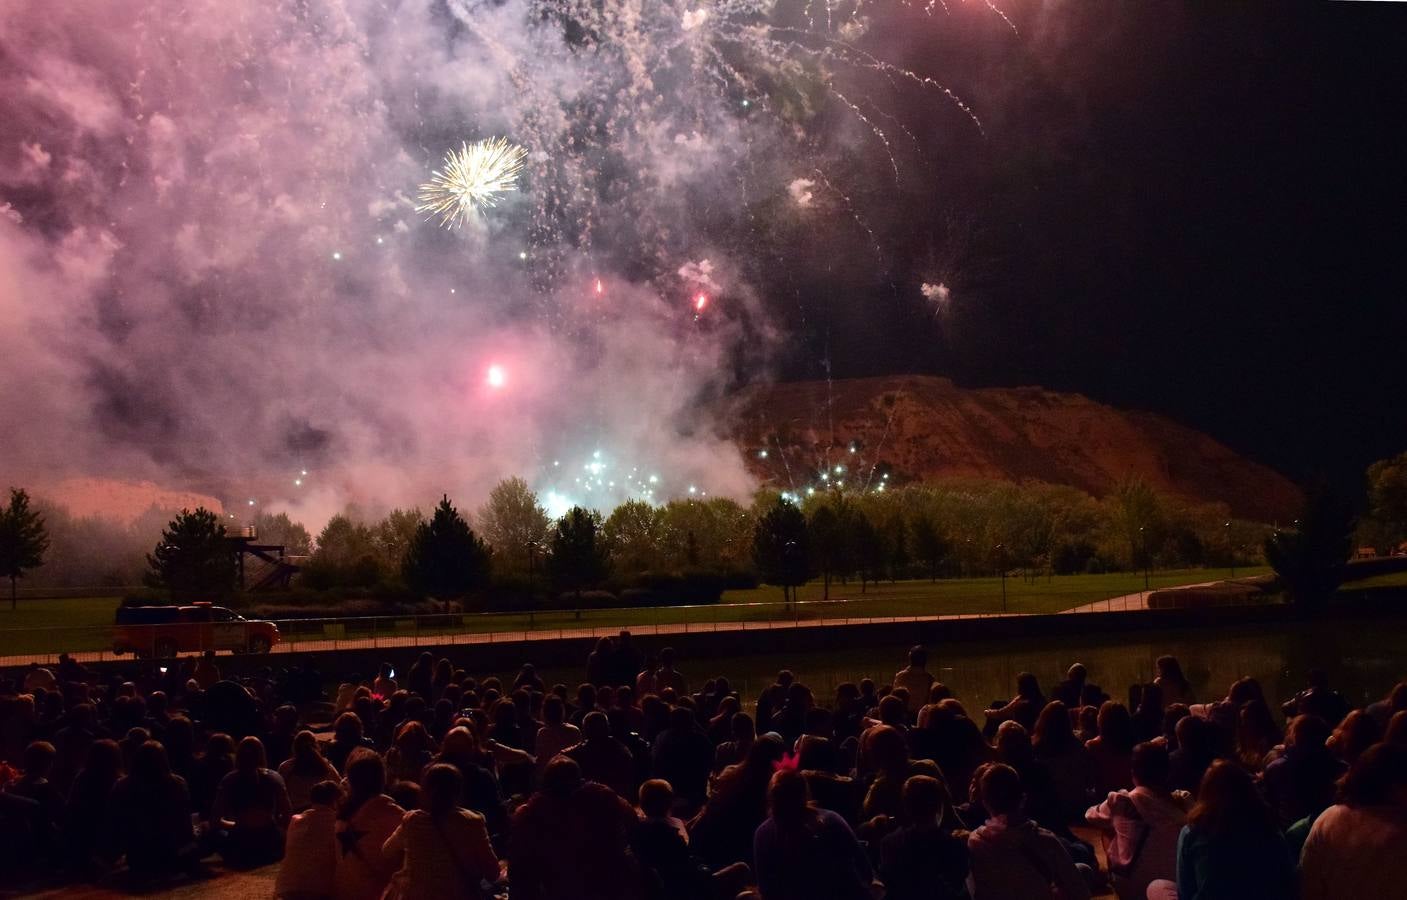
column 97, row 643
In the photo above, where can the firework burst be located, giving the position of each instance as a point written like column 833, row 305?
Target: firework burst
column 472, row 178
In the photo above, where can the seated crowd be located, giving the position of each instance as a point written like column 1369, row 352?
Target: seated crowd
column 634, row 786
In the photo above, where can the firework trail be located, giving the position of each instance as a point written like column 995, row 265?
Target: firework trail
column 472, row 178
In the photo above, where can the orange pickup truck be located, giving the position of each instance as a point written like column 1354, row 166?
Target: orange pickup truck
column 165, row 631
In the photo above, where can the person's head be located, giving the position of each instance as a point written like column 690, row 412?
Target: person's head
column 38, row 759
column 788, row 798
column 348, row 729
column 1115, row 727
column 1396, row 733
column 924, row 800
column 386, row 670
column 1356, row 733
column 553, row 710
column 603, row 646
column 250, row 756
column 741, row 727
column 1151, row 766
column 1000, row 790
column 208, row 656
column 1397, row 698
column 412, row 737
column 1076, row 674
column 1027, row 687
column 918, row 657
column 681, row 718
column 656, row 796
column 1170, row 670
column 325, row 793
column 440, row 789
column 1243, row 691
column 667, row 658
column 561, row 778
column 220, row 745
column 888, row 750
column 103, row 760
column 893, row 710
column 1053, row 731
column 1378, row 777
column 938, row 692
column 1229, row 802
column 149, row 763
column 586, row 696
column 624, row 638
column 1013, row 744
column 1307, row 733
column 595, row 726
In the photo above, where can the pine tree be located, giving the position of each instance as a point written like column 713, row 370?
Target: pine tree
column 23, row 540
column 780, row 549
column 193, row 558
column 578, row 559
column 445, row 559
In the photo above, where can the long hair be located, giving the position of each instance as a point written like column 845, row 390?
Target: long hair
column 1228, row 802
column 366, row 778
column 1053, row 734
column 789, row 802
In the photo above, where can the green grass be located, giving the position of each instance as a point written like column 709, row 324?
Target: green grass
column 84, row 623
column 1389, row 580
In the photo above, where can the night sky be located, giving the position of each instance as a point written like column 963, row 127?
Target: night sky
column 1199, row 210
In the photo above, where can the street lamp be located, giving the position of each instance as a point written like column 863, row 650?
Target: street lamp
column 532, row 549
column 1143, row 540
column 1230, row 550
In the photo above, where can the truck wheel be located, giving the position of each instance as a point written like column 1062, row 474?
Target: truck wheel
column 258, row 645
column 164, row 649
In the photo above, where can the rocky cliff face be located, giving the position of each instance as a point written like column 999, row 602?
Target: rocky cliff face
column 922, row 427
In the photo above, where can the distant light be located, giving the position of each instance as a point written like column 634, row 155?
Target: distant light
column 380, row 240
column 746, row 103
column 840, row 484
column 297, row 482
column 556, row 462
column 336, row 254
column 596, row 454
column 304, row 473
column 693, row 490
column 522, row 254
column 885, row 476
column 654, row 479
column 251, row 502
column 451, row 290
column 852, row 448
column 700, row 301
column 839, row 469
column 762, row 454
column 810, row 491
column 496, row 376
column 825, row 476
column 600, row 288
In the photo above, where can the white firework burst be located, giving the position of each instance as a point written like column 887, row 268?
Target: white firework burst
column 472, row 178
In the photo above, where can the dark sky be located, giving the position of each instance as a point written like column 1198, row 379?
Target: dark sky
column 1195, row 209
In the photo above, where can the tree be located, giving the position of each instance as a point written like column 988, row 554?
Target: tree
column 713, row 533
column 631, row 535
column 393, row 534
column 1311, row 561
column 868, row 554
column 23, row 540
column 510, row 520
column 445, row 559
column 895, row 536
column 780, row 549
column 193, row 559
column 1137, row 514
column 1387, row 500
column 929, row 544
column 578, row 560
column 280, row 529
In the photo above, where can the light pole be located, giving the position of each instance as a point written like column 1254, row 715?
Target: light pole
column 532, row 600
column 1230, row 550
column 1143, row 540
column 1001, row 559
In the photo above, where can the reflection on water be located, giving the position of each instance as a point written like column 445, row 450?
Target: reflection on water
column 1364, row 658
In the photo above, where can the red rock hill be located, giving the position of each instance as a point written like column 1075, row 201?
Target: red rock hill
column 925, row 427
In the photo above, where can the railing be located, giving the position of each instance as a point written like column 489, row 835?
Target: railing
column 96, row 643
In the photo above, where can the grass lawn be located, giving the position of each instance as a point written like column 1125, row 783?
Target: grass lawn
column 84, row 623
column 1388, row 580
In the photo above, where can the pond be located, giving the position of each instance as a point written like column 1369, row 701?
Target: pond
column 1364, row 658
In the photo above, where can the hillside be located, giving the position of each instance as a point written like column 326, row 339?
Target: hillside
column 924, row 427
